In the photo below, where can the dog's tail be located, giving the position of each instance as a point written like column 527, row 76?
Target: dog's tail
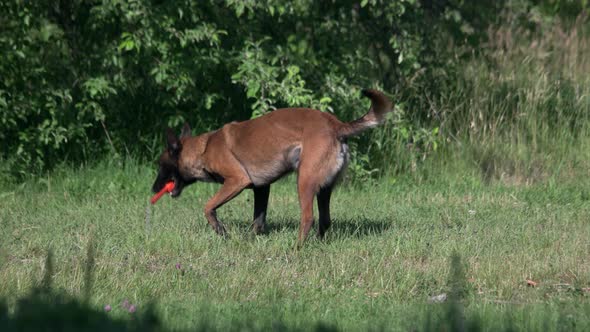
column 380, row 106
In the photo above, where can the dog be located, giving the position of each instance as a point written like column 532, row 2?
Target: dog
column 255, row 153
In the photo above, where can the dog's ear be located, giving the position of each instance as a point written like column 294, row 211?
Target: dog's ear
column 172, row 142
column 186, row 131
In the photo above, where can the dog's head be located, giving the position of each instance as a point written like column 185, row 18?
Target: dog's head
column 168, row 169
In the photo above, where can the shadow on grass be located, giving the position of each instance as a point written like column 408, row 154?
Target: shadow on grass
column 355, row 228
column 45, row 309
column 49, row 310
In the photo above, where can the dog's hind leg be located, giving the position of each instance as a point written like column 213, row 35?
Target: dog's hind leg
column 319, row 166
column 323, row 198
column 306, row 188
column 260, row 205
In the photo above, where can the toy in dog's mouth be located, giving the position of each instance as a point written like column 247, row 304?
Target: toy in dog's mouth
column 168, row 187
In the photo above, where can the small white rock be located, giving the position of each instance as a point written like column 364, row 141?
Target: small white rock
column 438, row 298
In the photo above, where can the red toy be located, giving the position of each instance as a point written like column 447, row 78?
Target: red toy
column 167, row 188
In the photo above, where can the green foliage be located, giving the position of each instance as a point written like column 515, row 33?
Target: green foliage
column 80, row 79
column 271, row 82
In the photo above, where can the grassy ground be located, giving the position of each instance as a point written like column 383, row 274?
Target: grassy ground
column 388, row 251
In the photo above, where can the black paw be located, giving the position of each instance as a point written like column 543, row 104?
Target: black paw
column 259, row 228
column 220, row 230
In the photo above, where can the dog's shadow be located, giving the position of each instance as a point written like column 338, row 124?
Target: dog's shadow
column 340, row 228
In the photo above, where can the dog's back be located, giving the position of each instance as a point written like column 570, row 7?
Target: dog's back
column 270, row 146
column 300, row 139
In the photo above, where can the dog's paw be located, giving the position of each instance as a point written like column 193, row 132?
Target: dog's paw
column 258, row 228
column 220, row 230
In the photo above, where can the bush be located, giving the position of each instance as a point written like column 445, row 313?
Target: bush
column 82, row 79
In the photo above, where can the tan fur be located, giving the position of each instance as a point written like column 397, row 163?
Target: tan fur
column 255, row 153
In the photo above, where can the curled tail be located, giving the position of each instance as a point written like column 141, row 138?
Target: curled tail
column 380, row 106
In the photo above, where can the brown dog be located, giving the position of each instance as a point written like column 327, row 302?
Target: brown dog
column 255, row 153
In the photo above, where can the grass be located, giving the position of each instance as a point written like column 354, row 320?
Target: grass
column 389, row 250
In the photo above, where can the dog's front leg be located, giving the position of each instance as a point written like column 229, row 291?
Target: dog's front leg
column 230, row 189
column 260, row 205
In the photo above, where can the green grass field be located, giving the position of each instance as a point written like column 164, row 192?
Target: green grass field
column 388, row 252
